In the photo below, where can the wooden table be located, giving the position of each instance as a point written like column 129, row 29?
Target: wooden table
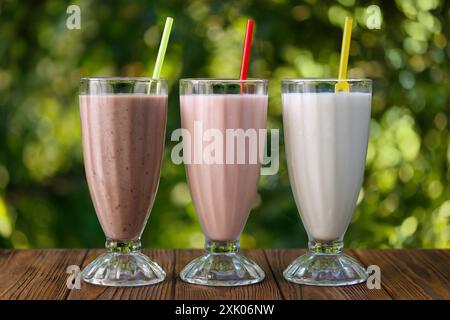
column 405, row 274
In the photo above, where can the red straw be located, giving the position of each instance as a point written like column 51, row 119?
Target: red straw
column 246, row 50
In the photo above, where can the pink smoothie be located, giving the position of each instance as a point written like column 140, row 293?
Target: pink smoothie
column 123, row 143
column 223, row 193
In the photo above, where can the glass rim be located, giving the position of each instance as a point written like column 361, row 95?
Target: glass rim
column 307, row 80
column 137, row 79
column 226, row 80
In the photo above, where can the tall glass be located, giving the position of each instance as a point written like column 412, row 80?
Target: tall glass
column 222, row 150
column 123, row 122
column 326, row 135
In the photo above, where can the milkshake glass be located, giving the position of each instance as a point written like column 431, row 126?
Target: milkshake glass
column 326, row 136
column 222, row 154
column 123, row 122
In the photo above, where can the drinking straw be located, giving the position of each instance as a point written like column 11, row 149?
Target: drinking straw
column 246, row 49
column 342, row 85
column 162, row 48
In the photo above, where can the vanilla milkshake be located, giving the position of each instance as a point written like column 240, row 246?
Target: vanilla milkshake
column 326, row 143
column 223, row 188
column 326, row 130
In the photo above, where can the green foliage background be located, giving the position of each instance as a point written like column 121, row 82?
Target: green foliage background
column 44, row 200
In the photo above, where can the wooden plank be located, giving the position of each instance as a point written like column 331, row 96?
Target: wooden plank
column 265, row 290
column 279, row 259
column 438, row 261
column 406, row 274
column 37, row 274
column 410, row 274
column 5, row 254
column 160, row 291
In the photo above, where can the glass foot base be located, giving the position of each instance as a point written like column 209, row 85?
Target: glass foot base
column 221, row 265
column 222, row 270
column 123, row 269
column 325, row 269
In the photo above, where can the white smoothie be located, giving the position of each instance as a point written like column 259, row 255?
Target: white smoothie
column 326, row 137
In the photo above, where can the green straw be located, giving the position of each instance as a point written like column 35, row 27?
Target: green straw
column 162, row 48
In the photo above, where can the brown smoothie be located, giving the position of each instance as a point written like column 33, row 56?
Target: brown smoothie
column 123, row 144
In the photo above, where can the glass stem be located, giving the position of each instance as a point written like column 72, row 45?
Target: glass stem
column 123, row 246
column 326, row 247
column 220, row 247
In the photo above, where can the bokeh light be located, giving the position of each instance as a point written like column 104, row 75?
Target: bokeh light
column 44, row 200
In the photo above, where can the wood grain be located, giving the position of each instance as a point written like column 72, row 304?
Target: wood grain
column 5, row 254
column 160, row 291
column 280, row 258
column 411, row 274
column 438, row 261
column 37, row 274
column 265, row 290
column 405, row 274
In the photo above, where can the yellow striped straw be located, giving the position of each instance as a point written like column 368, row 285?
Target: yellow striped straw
column 342, row 85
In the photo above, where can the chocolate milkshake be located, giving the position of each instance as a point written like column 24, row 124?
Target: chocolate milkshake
column 123, row 142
